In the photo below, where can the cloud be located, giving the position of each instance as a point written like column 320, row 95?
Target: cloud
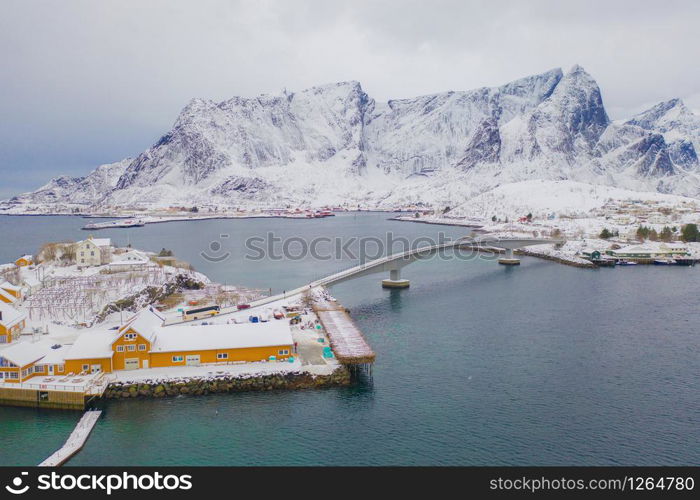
column 89, row 82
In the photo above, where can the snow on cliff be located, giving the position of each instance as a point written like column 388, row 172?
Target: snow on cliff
column 333, row 144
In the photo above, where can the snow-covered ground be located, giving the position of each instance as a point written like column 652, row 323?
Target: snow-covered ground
column 206, row 371
column 543, row 198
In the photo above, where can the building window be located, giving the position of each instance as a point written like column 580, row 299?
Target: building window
column 13, row 375
column 131, row 347
column 60, row 368
column 92, row 254
column 177, row 359
column 130, row 336
column 86, row 368
column 82, row 261
column 120, row 348
column 39, row 369
column 221, row 355
column 283, row 352
column 82, row 254
column 142, row 347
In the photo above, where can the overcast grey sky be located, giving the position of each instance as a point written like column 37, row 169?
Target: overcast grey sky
column 90, row 82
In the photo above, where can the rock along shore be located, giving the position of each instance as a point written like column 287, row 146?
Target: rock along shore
column 222, row 384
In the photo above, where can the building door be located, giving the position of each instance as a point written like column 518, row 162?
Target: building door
column 131, row 364
column 192, row 360
column 144, row 363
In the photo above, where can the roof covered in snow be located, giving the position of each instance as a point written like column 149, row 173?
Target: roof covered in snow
column 10, row 315
column 92, row 344
column 54, row 356
column 100, row 242
column 9, row 286
column 8, row 296
column 24, row 353
column 146, row 323
column 229, row 336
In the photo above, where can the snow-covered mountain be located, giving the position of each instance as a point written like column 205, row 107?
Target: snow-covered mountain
column 333, row 144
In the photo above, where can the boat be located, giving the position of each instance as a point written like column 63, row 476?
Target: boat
column 664, row 262
column 604, row 262
column 684, row 261
column 626, row 263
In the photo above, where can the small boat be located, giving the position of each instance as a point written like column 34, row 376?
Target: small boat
column 626, row 263
column 664, row 262
column 684, row 262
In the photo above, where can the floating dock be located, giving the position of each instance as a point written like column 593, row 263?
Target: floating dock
column 75, row 441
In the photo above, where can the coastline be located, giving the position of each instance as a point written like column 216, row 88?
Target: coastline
column 197, row 386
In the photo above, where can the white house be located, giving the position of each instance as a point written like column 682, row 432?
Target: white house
column 132, row 259
column 93, row 252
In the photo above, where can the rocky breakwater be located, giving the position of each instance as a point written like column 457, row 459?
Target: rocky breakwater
column 221, row 384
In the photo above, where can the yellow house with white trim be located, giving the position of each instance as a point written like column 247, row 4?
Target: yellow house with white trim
column 143, row 342
column 12, row 292
column 17, row 361
column 12, row 322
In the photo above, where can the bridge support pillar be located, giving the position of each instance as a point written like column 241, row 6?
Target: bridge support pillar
column 508, row 259
column 395, row 280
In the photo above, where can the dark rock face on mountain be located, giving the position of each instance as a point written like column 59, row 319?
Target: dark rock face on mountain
column 334, row 144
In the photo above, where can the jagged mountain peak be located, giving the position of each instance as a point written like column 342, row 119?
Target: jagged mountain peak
column 332, row 143
column 665, row 112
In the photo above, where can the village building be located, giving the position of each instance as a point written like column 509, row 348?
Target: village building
column 650, row 251
column 10, row 293
column 12, row 322
column 130, row 260
column 186, row 345
column 143, row 342
column 90, row 353
column 24, row 260
column 6, row 297
column 93, row 252
column 17, row 361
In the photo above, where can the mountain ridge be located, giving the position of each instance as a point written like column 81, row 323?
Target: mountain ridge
column 333, row 144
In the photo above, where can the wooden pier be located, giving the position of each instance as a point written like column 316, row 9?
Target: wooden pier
column 346, row 339
column 75, row 441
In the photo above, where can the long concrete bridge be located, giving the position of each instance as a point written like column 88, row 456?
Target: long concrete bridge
column 393, row 264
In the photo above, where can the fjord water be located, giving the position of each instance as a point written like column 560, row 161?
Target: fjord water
column 477, row 364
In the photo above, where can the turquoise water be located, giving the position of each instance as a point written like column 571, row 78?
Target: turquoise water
column 477, row 364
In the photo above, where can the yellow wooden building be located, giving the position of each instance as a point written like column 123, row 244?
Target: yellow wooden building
column 24, row 260
column 12, row 322
column 17, row 361
column 9, row 294
column 143, row 342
